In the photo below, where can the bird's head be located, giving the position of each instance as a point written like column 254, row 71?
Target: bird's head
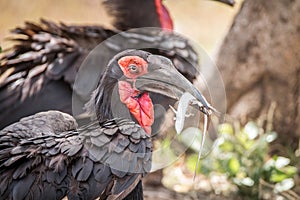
column 133, row 75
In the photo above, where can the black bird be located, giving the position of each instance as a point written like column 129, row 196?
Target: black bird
column 46, row 155
column 39, row 73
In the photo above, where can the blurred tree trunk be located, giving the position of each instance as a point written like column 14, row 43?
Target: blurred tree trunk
column 260, row 64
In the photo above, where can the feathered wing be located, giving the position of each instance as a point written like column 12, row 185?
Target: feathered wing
column 39, row 72
column 104, row 161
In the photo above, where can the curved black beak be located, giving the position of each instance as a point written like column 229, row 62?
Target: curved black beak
column 228, row 2
column 163, row 78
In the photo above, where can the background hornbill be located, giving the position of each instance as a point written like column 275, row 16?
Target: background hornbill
column 46, row 156
column 39, row 73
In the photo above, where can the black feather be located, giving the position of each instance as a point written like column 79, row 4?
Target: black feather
column 22, row 187
column 83, row 169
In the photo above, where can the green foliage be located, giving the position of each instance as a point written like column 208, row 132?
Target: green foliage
column 242, row 154
column 278, row 171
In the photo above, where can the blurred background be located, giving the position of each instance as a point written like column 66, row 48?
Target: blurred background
column 248, row 161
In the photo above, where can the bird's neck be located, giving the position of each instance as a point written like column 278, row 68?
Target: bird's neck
column 138, row 103
column 129, row 14
column 164, row 17
column 102, row 101
column 118, row 99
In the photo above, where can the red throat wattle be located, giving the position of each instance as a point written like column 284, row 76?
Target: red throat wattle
column 164, row 16
column 139, row 105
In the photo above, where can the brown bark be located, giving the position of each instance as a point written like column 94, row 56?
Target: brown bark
column 260, row 64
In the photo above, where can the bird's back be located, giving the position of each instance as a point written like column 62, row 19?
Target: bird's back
column 44, row 156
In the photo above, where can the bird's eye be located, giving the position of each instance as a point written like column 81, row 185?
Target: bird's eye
column 133, row 69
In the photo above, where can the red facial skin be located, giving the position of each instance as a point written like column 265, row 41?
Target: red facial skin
column 139, row 105
column 164, row 16
column 141, row 64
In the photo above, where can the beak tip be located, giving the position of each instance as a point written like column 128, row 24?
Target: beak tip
column 228, row 2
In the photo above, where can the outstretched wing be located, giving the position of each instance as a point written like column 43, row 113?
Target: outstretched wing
column 93, row 161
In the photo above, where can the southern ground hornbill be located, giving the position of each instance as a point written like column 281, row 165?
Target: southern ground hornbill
column 46, row 156
column 39, row 73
